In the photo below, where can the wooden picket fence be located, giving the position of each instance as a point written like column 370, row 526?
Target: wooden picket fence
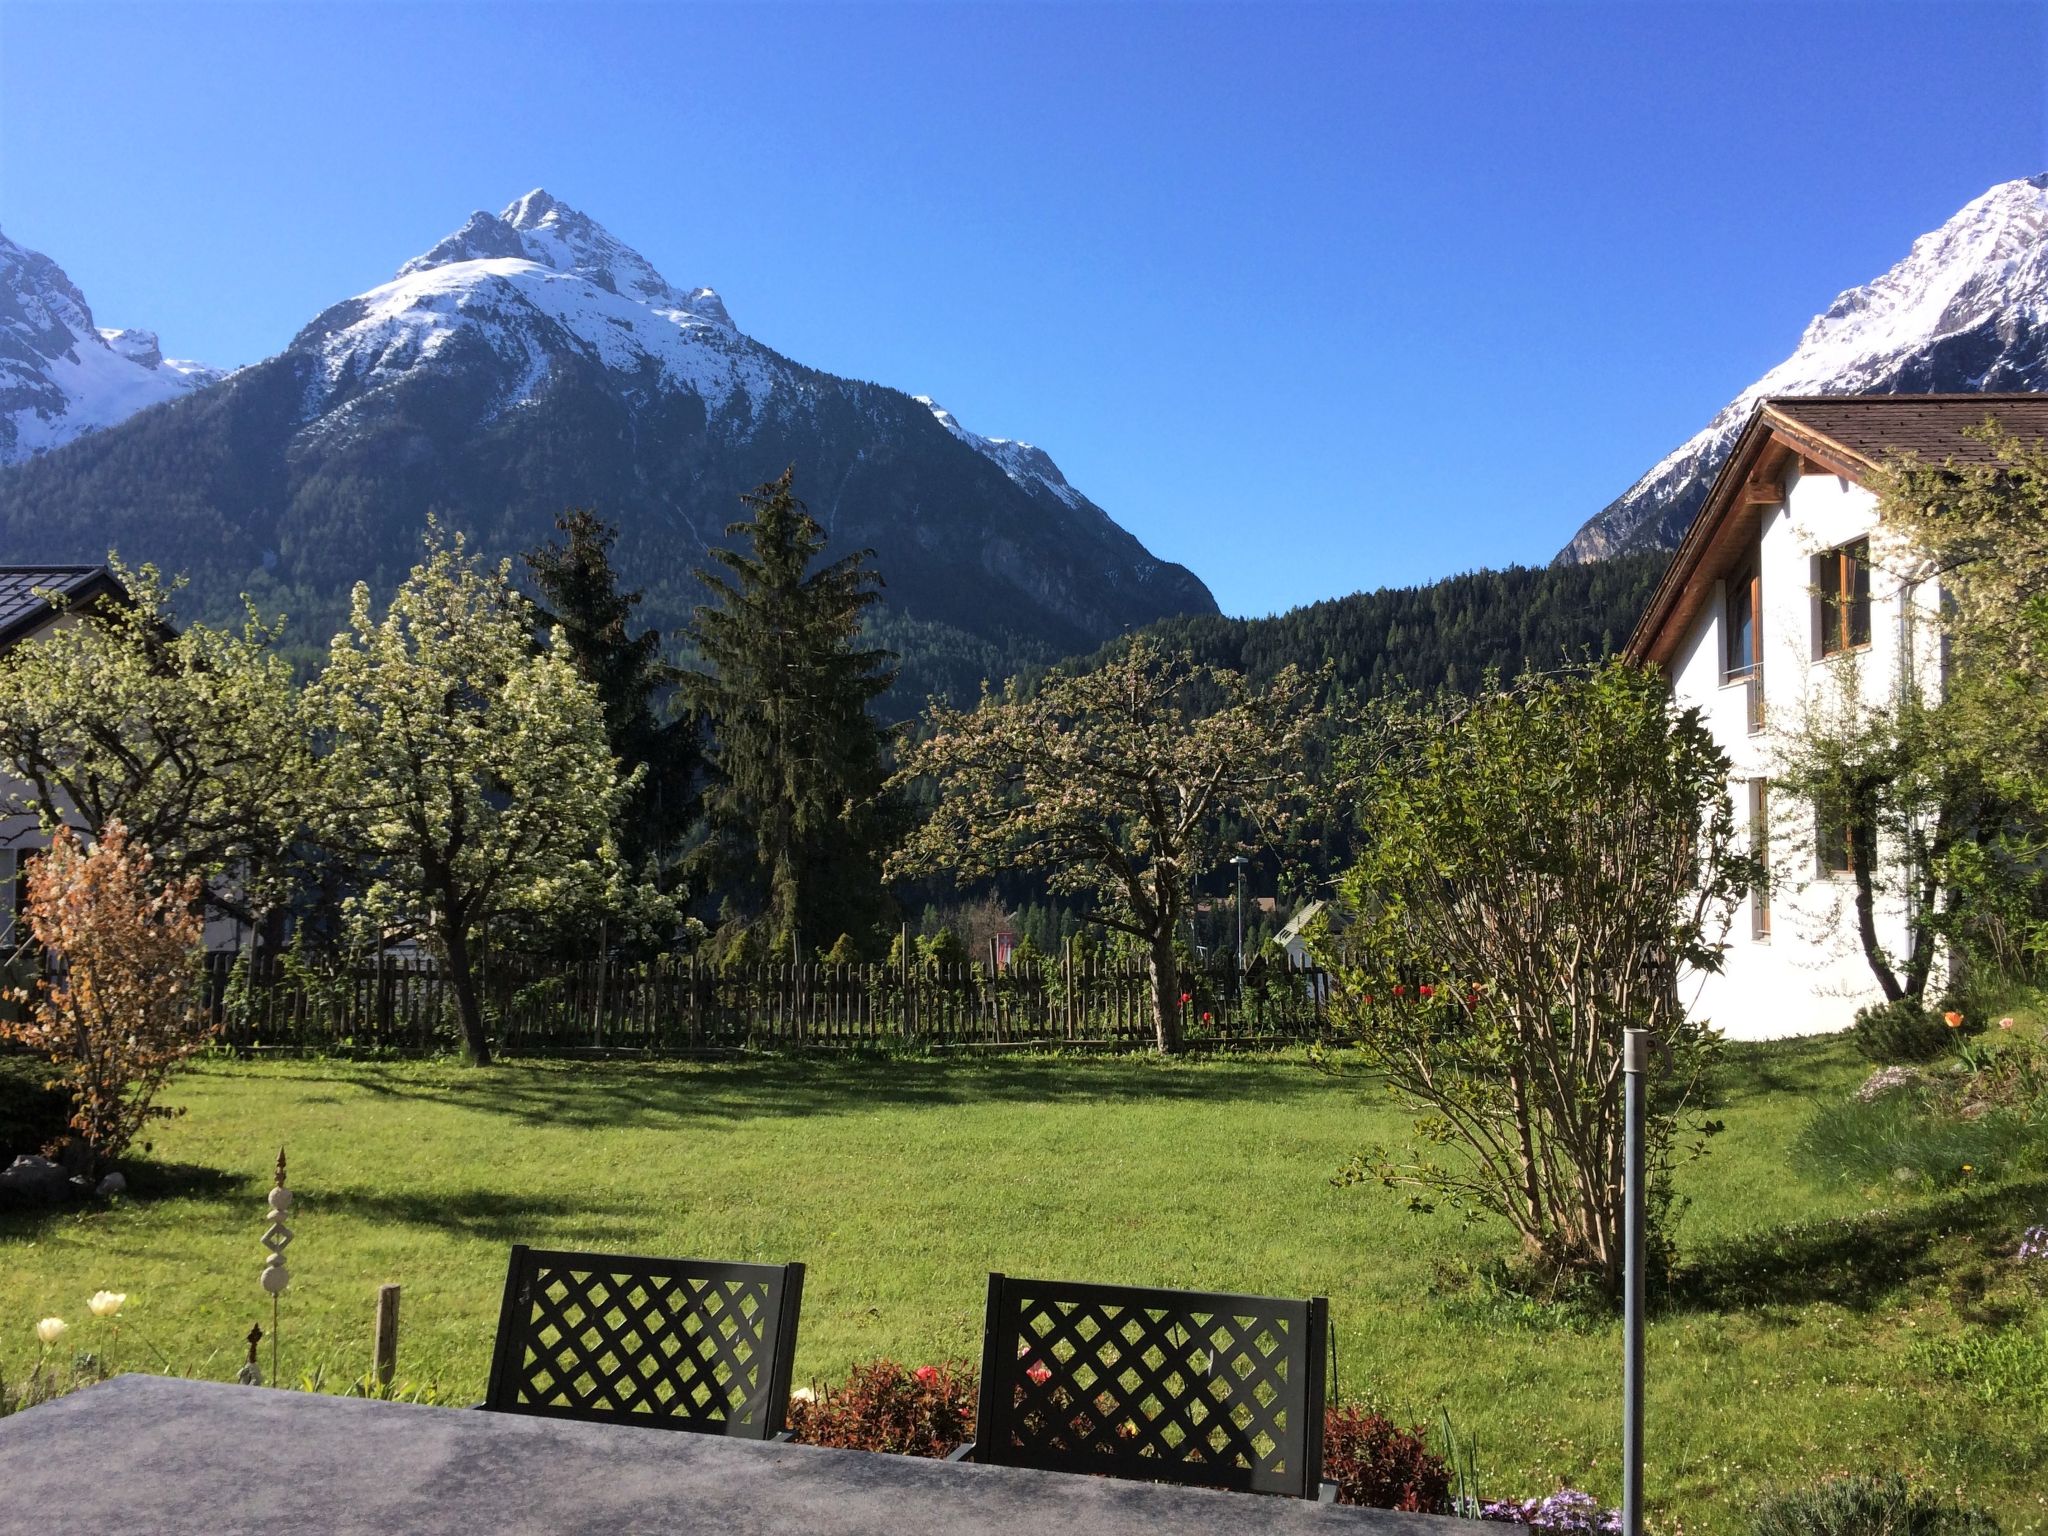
column 396, row 1002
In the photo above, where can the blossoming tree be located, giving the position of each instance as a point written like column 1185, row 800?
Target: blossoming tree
column 468, row 770
column 1117, row 783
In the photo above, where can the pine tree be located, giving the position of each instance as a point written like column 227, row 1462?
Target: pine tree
column 795, row 804
column 581, row 596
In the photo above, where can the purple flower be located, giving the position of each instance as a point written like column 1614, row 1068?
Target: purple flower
column 1569, row 1511
column 2034, row 1243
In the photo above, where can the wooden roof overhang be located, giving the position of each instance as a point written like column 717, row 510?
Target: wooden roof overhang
column 1752, row 478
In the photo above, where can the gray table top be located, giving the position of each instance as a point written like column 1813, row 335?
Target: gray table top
column 195, row 1458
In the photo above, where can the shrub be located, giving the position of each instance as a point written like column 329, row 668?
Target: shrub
column 124, row 1010
column 1867, row 1506
column 1900, row 1137
column 1899, row 1031
column 1375, row 1462
column 888, row 1407
column 1536, row 865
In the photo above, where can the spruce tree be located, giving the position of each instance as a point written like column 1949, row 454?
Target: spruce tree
column 580, row 594
column 794, row 806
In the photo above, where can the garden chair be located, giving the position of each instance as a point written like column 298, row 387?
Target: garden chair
column 657, row 1343
column 1167, row 1386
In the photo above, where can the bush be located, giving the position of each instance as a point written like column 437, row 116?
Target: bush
column 1375, row 1462
column 1867, row 1506
column 125, row 1008
column 1900, row 1031
column 888, row 1407
column 1901, row 1138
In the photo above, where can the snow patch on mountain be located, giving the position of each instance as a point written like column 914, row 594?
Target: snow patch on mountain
column 1029, row 466
column 1966, row 310
column 61, row 376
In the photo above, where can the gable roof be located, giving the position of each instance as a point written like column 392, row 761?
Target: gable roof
column 22, row 607
column 1848, row 435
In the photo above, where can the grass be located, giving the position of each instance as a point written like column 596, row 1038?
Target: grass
column 1782, row 1351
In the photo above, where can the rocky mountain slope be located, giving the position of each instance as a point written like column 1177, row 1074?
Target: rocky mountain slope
column 531, row 362
column 1966, row 310
column 61, row 376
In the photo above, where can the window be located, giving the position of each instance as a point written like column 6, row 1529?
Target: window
column 1760, row 846
column 1843, row 577
column 1834, row 839
column 1740, row 650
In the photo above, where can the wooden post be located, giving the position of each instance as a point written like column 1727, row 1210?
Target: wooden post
column 384, row 1338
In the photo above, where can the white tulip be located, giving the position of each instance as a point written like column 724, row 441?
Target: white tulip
column 107, row 1303
column 51, row 1329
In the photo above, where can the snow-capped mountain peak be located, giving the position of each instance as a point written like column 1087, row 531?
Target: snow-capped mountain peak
column 1965, row 310
column 542, row 229
column 61, row 376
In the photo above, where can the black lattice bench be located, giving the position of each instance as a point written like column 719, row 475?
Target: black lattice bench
column 1167, row 1386
column 658, row 1343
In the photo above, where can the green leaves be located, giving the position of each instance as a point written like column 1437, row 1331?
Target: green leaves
column 466, row 772
column 1539, row 865
column 795, row 806
column 192, row 738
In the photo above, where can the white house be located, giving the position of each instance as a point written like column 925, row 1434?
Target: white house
column 1786, row 597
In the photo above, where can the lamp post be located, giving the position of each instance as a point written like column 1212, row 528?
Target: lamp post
column 1635, row 1065
column 1240, row 861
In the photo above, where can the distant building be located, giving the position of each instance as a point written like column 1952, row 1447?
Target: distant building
column 1290, row 938
column 1786, row 595
column 26, row 612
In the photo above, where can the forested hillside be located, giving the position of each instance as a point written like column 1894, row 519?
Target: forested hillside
column 1446, row 634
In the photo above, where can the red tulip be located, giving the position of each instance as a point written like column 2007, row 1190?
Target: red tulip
column 1425, row 990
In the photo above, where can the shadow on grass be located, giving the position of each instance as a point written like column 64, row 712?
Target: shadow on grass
column 618, row 1095
column 149, row 1181
column 1769, row 1069
column 495, row 1215
column 1856, row 1262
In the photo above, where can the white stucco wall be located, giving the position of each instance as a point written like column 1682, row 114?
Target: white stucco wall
column 1808, row 975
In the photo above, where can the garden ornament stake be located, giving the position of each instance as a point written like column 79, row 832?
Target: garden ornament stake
column 1635, row 1064
column 251, row 1374
column 277, row 1237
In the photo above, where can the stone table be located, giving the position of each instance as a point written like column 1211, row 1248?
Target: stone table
column 195, row 1458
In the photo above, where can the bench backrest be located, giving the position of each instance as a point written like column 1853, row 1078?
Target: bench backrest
column 1175, row 1386
column 660, row 1343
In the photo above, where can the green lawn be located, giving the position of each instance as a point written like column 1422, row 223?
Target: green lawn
column 1782, row 1354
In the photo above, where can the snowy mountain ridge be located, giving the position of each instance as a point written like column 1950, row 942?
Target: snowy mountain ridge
column 61, row 375
column 1966, row 310
column 530, row 362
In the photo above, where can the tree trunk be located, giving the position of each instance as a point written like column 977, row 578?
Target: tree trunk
column 1863, row 868
column 1165, row 996
column 467, row 1006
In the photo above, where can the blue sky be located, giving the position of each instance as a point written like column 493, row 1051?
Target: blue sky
column 1311, row 298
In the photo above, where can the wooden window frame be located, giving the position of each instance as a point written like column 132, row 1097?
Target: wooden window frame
column 1845, row 568
column 1834, row 843
column 1746, row 587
